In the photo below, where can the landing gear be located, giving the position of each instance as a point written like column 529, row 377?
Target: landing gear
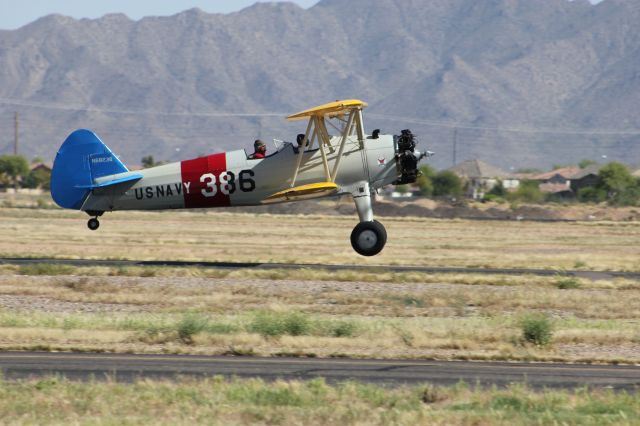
column 93, row 223
column 368, row 238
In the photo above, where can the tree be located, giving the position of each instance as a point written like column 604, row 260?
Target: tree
column 148, row 162
column 498, row 190
column 425, row 181
column 586, row 163
column 529, row 191
column 619, row 184
column 447, row 183
column 38, row 178
column 13, row 169
column 590, row 194
column 402, row 189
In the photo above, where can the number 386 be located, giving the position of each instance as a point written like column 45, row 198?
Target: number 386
column 225, row 182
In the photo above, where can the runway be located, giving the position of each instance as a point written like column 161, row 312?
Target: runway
column 127, row 367
column 594, row 275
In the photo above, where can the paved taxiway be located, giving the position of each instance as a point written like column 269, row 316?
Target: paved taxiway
column 127, row 367
column 595, row 275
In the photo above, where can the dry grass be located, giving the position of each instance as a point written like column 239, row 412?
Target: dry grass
column 212, row 236
column 438, row 320
column 229, row 402
column 457, row 316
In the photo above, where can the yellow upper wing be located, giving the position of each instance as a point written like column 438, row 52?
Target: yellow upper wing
column 330, row 109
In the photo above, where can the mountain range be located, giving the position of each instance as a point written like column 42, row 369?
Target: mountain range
column 516, row 83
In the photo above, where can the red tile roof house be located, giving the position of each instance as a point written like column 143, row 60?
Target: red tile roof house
column 566, row 182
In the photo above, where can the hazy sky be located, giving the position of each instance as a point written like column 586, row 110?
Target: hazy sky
column 16, row 13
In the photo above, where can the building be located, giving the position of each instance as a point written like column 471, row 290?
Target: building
column 481, row 177
column 584, row 178
column 557, row 182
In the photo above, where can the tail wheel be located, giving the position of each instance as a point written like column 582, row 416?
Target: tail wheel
column 93, row 224
column 368, row 238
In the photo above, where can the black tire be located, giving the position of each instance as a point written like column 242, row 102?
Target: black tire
column 93, row 224
column 368, row 238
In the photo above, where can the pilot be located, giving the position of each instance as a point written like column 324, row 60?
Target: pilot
column 300, row 142
column 260, row 150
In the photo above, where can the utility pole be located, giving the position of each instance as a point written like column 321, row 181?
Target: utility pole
column 15, row 135
column 455, row 145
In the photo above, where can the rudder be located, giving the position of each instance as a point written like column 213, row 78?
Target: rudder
column 82, row 158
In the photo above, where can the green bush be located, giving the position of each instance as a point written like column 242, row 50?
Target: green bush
column 46, row 269
column 567, row 283
column 493, row 198
column 272, row 324
column 537, row 329
column 190, row 325
column 343, row 329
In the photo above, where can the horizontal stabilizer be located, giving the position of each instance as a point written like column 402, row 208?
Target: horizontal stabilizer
column 304, row 192
column 131, row 178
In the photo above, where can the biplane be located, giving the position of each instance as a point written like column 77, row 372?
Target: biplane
column 334, row 157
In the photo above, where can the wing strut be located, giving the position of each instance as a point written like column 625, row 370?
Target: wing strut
column 317, row 129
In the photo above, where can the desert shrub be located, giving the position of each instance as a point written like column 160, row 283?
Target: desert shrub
column 537, row 329
column 190, row 325
column 432, row 394
column 343, row 329
column 493, row 198
column 274, row 324
column 567, row 283
column 45, row 269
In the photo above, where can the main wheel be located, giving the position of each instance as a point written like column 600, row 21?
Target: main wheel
column 93, row 223
column 368, row 238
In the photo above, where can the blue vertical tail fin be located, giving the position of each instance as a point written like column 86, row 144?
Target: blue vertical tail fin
column 81, row 159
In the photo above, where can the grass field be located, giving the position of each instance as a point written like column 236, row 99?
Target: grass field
column 315, row 312
column 212, row 236
column 228, row 402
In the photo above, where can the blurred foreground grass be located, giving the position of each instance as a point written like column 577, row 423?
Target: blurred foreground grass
column 221, row 401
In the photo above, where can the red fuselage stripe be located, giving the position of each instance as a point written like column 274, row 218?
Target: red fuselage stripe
column 201, row 181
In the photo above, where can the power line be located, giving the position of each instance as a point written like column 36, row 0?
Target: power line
column 453, row 125
column 63, row 107
column 433, row 123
